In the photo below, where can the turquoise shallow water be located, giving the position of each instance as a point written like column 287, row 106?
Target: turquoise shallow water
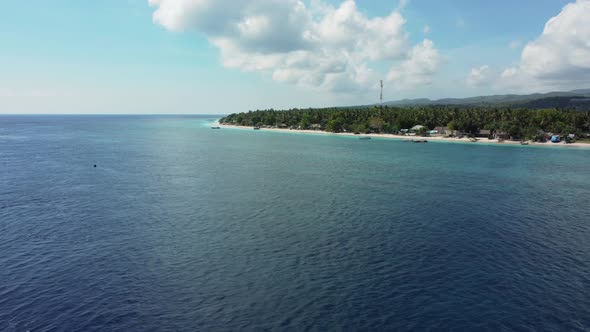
column 185, row 228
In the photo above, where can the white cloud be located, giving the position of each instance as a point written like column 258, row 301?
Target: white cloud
column 563, row 49
column 509, row 72
column 559, row 59
column 261, row 25
column 427, row 29
column 422, row 63
column 319, row 45
column 480, row 76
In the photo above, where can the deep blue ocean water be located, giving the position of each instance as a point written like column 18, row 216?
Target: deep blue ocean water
column 184, row 228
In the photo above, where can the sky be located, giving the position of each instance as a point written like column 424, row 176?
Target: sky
column 225, row 56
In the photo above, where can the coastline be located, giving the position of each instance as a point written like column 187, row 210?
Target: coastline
column 403, row 138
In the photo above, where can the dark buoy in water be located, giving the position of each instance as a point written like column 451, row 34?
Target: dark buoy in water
column 94, row 165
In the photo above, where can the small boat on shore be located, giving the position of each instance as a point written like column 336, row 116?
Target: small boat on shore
column 215, row 127
column 256, row 128
column 524, row 143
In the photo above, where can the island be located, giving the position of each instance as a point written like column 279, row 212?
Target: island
column 473, row 124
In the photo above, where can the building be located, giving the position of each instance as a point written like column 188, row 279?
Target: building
column 444, row 131
column 500, row 134
column 484, row 133
column 417, row 128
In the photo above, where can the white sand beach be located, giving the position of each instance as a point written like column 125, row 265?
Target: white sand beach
column 432, row 138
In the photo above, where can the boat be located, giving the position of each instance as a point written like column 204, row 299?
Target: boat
column 524, row 143
column 473, row 140
column 365, row 137
column 420, row 141
column 256, row 128
column 215, row 127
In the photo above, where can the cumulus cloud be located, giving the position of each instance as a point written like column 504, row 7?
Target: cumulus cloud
column 262, row 25
column 563, row 49
column 559, row 59
column 319, row 45
column 421, row 65
column 480, row 76
column 509, row 72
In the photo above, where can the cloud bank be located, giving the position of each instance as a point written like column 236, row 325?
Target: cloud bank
column 315, row 45
column 558, row 59
column 481, row 76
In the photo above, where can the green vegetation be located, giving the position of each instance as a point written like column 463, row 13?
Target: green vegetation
column 517, row 122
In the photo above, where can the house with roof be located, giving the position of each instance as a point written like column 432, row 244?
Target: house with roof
column 484, row 133
column 500, row 134
column 417, row 128
column 443, row 131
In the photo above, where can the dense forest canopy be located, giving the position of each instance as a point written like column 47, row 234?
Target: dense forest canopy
column 518, row 122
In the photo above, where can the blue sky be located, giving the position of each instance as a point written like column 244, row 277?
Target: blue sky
column 205, row 56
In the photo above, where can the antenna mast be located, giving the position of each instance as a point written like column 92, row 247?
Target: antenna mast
column 381, row 95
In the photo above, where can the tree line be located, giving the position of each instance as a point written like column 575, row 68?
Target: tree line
column 517, row 122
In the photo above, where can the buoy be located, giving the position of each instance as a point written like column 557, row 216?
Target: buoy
column 94, row 165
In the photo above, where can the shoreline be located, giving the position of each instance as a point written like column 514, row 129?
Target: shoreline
column 403, row 138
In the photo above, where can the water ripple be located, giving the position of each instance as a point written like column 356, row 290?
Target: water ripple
column 182, row 228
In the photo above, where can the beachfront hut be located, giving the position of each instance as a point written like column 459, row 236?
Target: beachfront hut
column 555, row 139
column 315, row 127
column 404, row 131
column 483, row 133
column 500, row 134
column 444, row 131
column 417, row 128
column 440, row 130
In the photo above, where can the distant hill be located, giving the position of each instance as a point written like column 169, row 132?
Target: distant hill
column 575, row 99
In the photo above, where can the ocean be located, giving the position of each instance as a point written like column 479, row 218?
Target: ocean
column 184, row 228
